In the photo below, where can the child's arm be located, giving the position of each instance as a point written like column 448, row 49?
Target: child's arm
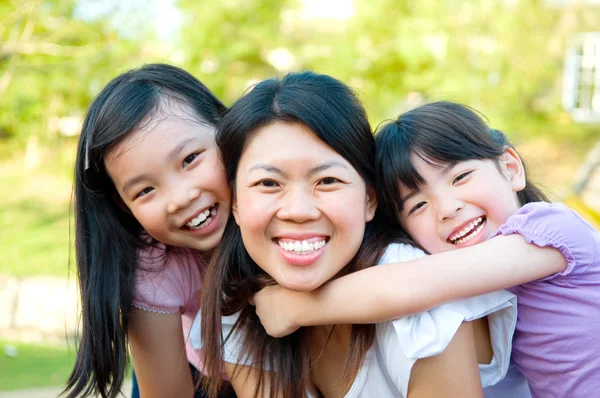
column 390, row 291
column 158, row 352
column 452, row 373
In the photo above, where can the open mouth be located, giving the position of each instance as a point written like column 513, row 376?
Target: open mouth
column 203, row 219
column 468, row 232
column 301, row 247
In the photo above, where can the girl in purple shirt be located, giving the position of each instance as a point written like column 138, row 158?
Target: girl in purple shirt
column 454, row 183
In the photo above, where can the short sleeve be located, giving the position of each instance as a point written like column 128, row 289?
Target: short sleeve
column 233, row 340
column 554, row 225
column 399, row 252
column 167, row 281
column 423, row 335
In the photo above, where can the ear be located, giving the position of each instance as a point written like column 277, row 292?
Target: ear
column 370, row 204
column 514, row 169
column 234, row 210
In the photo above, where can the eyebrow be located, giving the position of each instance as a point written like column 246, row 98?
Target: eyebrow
column 410, row 195
column 311, row 172
column 325, row 166
column 267, row 167
column 171, row 155
column 445, row 170
column 132, row 181
column 177, row 150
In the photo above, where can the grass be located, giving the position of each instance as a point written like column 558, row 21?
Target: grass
column 34, row 221
column 35, row 365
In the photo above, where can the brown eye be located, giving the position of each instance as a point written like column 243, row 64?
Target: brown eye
column 189, row 159
column 329, row 180
column 144, row 192
column 461, row 176
column 416, row 207
column 267, row 183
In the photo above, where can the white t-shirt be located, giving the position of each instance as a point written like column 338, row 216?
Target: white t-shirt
column 398, row 344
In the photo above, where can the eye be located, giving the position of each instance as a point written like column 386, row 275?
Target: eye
column 267, row 183
column 190, row 158
column 416, row 207
column 461, row 176
column 329, row 181
column 144, row 192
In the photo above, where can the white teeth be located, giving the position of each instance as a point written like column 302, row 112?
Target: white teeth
column 203, row 218
column 458, row 238
column 301, row 246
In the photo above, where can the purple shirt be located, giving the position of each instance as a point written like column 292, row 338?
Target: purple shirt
column 556, row 344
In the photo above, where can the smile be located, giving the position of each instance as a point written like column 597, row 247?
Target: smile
column 203, row 219
column 301, row 247
column 468, row 232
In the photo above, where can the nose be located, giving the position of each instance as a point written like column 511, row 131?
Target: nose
column 181, row 197
column 299, row 205
column 448, row 208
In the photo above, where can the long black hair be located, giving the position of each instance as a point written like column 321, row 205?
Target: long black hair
column 107, row 237
column 333, row 113
column 440, row 133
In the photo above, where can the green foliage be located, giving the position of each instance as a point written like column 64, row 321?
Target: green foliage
column 504, row 58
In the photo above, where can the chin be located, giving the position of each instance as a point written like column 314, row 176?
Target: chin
column 301, row 286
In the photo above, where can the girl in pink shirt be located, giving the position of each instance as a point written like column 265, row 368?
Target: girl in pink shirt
column 151, row 205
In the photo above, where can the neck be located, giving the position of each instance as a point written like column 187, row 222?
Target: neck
column 206, row 255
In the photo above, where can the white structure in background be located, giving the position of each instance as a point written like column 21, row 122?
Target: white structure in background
column 581, row 88
column 581, row 98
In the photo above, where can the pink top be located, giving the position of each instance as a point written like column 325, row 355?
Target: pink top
column 170, row 282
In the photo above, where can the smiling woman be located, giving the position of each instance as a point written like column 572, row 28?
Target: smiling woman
column 297, row 193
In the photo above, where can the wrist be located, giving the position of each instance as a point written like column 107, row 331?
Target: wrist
column 301, row 303
column 309, row 309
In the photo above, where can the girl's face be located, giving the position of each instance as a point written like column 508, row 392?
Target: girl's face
column 463, row 204
column 301, row 207
column 169, row 174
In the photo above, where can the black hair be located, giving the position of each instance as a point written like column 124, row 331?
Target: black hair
column 440, row 133
column 107, row 237
column 333, row 113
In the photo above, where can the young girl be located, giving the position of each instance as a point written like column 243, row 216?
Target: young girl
column 151, row 206
column 453, row 183
column 299, row 154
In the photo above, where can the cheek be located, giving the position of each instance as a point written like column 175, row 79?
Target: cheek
column 151, row 221
column 254, row 213
column 214, row 173
column 421, row 230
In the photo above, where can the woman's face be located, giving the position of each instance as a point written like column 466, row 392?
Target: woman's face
column 301, row 207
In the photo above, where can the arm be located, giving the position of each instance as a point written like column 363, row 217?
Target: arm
column 158, row 351
column 391, row 291
column 453, row 373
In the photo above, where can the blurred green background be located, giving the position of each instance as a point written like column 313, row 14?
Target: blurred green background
column 505, row 58
column 502, row 57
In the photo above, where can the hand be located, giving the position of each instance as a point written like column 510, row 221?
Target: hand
column 276, row 307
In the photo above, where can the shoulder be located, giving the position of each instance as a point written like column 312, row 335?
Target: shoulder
column 399, row 252
column 555, row 225
column 167, row 279
column 233, row 338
